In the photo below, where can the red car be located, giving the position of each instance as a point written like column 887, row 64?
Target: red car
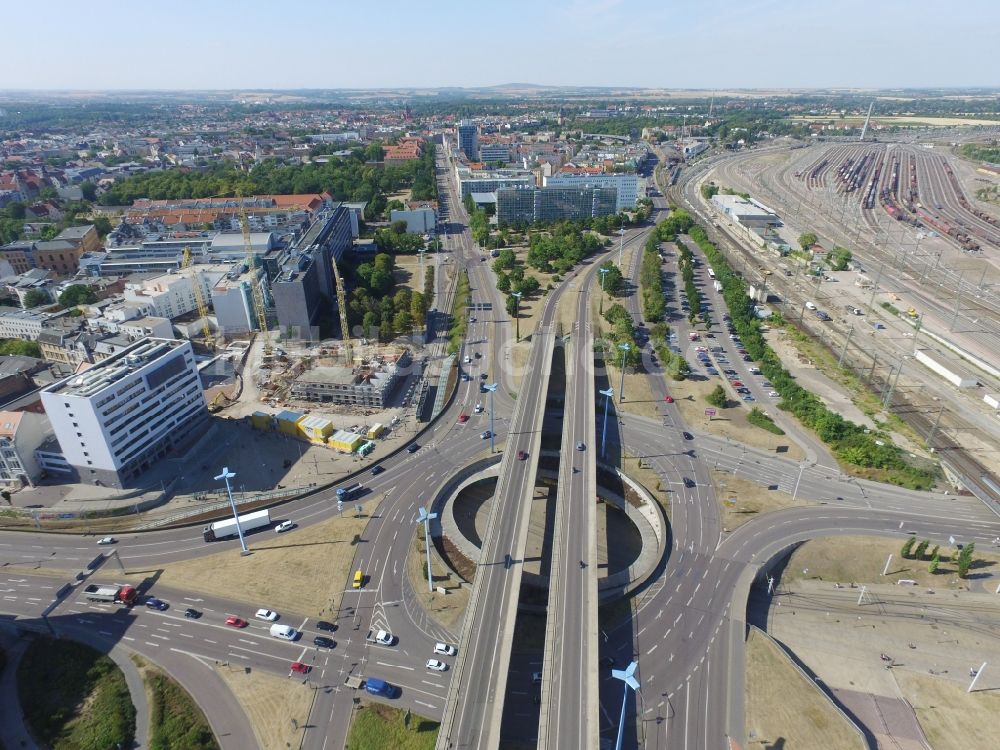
column 463, row 418
column 236, row 622
column 669, row 399
column 521, row 455
column 301, row 668
column 738, row 383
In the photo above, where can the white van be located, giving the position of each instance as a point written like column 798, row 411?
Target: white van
column 810, row 305
column 287, row 632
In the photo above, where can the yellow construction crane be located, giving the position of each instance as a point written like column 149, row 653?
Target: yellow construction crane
column 342, row 304
column 258, row 289
column 199, row 298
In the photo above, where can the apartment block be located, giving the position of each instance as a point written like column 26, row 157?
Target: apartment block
column 116, row 419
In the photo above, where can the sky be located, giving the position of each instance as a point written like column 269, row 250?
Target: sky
column 264, row 44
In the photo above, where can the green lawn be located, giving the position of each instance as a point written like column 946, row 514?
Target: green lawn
column 378, row 727
column 73, row 697
column 177, row 722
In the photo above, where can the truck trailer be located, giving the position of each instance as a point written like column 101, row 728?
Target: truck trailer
column 346, row 493
column 227, row 529
column 113, row 593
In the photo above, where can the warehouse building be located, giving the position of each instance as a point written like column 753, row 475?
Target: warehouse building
column 118, row 418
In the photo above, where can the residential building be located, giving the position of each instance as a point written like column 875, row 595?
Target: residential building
column 368, row 385
column 21, row 433
column 84, row 237
column 171, row 295
column 59, row 256
column 528, row 205
column 626, row 183
column 21, row 324
column 35, row 279
column 68, row 347
column 20, row 255
column 468, row 139
column 118, row 418
column 16, row 375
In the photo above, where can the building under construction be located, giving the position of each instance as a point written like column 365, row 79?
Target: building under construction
column 368, row 383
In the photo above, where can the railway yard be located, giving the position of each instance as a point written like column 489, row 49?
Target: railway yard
column 925, row 275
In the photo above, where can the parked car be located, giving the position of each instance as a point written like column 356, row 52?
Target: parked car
column 236, row 622
column 268, row 615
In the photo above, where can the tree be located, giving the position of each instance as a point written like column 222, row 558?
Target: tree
column 839, row 257
column 965, row 559
column 77, row 294
column 921, row 549
column 907, row 549
column 807, row 240
column 103, row 226
column 16, row 210
column 418, row 309
column 935, row 562
column 89, row 191
column 36, row 297
column 717, row 397
column 20, row 347
column 512, row 305
column 613, row 282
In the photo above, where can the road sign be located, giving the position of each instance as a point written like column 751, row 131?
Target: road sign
column 709, row 412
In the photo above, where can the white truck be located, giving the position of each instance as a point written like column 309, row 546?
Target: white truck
column 227, row 529
column 381, row 637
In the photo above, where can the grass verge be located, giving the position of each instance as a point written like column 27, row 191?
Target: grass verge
column 786, row 710
column 759, row 419
column 378, row 727
column 278, row 708
column 459, row 314
column 176, row 721
column 74, row 696
column 950, row 717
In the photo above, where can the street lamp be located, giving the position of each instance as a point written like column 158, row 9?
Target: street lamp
column 603, row 272
column 425, row 518
column 227, row 475
column 621, row 248
column 492, row 388
column 624, row 348
column 517, row 314
column 627, row 676
column 609, row 393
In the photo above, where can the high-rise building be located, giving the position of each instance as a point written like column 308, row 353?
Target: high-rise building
column 468, row 139
column 116, row 419
column 626, row 183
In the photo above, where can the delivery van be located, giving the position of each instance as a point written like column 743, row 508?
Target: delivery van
column 286, row 632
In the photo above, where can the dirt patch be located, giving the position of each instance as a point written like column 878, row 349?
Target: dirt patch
column 731, row 422
column 848, row 559
column 271, row 703
column 783, row 709
column 951, row 718
column 304, row 571
column 448, row 608
column 740, row 499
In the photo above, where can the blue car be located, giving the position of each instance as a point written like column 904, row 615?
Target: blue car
column 154, row 603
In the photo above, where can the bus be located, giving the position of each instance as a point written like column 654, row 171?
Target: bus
column 711, row 273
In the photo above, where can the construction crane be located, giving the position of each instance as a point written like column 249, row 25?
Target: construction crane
column 199, row 297
column 257, row 288
column 868, row 118
column 342, row 304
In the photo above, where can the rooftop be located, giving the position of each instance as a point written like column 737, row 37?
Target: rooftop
column 114, row 368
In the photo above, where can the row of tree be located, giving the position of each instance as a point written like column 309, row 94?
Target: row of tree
column 351, row 178
column 963, row 560
column 851, row 443
column 685, row 262
column 560, row 248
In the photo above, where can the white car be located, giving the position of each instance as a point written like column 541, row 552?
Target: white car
column 437, row 666
column 107, row 540
column 444, row 649
column 266, row 614
column 484, row 435
column 284, row 526
column 478, row 409
column 774, row 394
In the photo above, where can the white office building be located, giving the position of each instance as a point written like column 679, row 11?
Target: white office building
column 627, row 184
column 171, row 295
column 115, row 420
